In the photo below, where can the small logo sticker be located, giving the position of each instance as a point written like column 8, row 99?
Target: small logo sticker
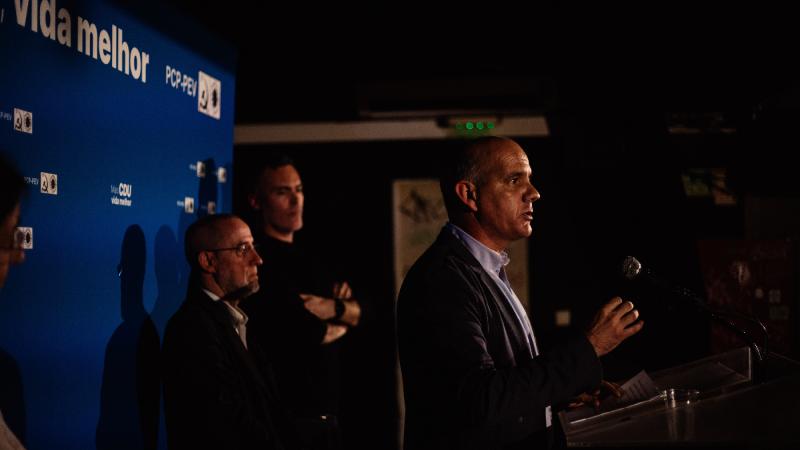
column 209, row 96
column 48, row 183
column 188, row 205
column 23, row 121
column 23, row 238
column 201, row 169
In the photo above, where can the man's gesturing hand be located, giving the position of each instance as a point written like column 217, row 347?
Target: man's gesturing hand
column 615, row 322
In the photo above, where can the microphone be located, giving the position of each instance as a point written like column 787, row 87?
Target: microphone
column 632, row 270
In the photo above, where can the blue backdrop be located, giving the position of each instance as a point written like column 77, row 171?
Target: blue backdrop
column 117, row 166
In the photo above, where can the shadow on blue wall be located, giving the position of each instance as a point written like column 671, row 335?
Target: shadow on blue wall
column 12, row 402
column 130, row 393
column 170, row 278
column 130, row 401
column 171, row 283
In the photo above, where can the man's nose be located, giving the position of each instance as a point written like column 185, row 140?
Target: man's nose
column 257, row 258
column 532, row 194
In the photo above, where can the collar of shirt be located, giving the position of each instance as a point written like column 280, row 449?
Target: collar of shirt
column 490, row 260
column 239, row 317
column 492, row 263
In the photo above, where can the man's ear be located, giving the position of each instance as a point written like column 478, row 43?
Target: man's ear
column 207, row 262
column 252, row 199
column 466, row 193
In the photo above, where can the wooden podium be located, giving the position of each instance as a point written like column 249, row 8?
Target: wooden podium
column 731, row 410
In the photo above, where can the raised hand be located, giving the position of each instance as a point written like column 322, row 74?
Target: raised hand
column 615, row 322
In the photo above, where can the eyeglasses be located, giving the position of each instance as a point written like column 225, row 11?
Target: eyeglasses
column 241, row 250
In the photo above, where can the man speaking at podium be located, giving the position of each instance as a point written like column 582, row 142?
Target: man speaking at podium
column 473, row 375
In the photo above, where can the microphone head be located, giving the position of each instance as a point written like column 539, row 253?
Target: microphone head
column 631, row 268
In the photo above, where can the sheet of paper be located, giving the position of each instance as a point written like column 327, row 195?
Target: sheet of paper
column 637, row 389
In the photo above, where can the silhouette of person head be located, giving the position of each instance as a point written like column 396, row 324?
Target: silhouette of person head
column 11, row 188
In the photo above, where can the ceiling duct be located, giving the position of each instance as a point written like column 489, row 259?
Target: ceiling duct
column 408, row 99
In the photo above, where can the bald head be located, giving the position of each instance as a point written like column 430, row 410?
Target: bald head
column 489, row 193
column 206, row 233
column 468, row 163
column 223, row 257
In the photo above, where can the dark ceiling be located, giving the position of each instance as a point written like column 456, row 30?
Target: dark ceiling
column 320, row 63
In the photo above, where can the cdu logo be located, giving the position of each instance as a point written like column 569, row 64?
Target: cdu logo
column 125, row 190
column 48, row 183
column 209, row 98
column 121, row 194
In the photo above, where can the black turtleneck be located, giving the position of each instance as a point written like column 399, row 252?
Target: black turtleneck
column 307, row 372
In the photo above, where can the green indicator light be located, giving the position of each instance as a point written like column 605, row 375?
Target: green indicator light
column 459, row 126
column 490, row 125
column 470, row 125
column 480, row 125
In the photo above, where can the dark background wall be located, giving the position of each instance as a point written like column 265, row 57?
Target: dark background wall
column 348, row 217
column 610, row 173
column 631, row 106
column 611, row 185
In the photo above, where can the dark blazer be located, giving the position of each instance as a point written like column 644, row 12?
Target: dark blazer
column 217, row 393
column 468, row 378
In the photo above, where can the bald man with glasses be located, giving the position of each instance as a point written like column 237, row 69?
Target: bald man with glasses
column 219, row 390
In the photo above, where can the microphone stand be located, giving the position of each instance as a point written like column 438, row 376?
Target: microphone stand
column 723, row 317
column 632, row 269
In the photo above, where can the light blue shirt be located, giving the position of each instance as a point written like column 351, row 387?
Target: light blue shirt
column 239, row 317
column 493, row 264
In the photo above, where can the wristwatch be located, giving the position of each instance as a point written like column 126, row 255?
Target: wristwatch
column 339, row 308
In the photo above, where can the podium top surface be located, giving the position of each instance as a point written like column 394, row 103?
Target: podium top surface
column 731, row 409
